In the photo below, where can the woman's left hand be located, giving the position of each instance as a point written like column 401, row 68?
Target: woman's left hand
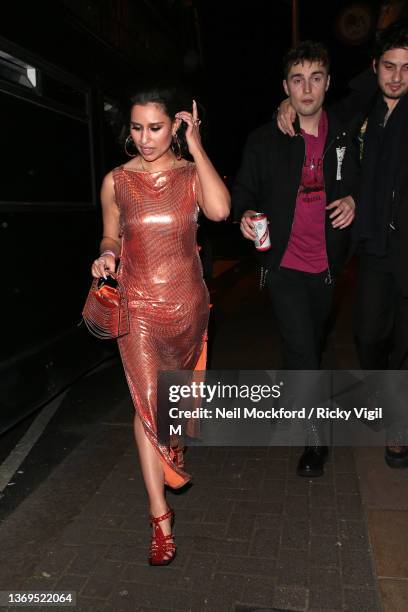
column 193, row 129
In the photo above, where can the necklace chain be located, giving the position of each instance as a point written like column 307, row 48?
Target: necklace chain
column 152, row 171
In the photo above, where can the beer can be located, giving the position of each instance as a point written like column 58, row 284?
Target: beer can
column 260, row 223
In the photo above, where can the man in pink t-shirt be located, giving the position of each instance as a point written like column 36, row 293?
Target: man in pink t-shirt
column 304, row 186
column 306, row 250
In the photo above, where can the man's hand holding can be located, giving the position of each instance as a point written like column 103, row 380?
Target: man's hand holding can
column 254, row 226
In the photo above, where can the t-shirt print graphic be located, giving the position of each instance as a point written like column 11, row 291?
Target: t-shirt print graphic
column 312, row 183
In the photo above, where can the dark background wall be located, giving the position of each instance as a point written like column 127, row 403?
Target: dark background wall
column 243, row 47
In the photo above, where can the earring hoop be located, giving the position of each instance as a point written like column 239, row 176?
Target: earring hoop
column 126, row 147
column 176, row 146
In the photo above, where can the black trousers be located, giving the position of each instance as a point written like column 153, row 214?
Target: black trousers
column 301, row 302
column 381, row 317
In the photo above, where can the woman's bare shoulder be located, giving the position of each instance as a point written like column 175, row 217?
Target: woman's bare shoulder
column 108, row 185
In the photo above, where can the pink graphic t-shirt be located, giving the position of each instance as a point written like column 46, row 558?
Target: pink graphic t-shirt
column 306, row 249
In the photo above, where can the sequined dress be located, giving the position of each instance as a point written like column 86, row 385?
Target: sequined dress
column 161, row 273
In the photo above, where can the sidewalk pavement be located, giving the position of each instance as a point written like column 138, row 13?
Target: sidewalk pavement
column 250, row 534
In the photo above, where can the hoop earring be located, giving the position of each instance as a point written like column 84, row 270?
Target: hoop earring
column 126, row 147
column 176, row 146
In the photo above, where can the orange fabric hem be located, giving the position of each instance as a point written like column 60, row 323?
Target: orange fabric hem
column 172, row 477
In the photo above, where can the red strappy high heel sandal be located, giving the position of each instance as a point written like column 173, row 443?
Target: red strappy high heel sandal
column 162, row 548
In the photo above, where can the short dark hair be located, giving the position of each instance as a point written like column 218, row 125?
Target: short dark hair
column 395, row 36
column 306, row 51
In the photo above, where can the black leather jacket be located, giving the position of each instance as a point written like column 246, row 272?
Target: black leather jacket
column 270, row 175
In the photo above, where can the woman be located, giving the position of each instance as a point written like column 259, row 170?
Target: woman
column 149, row 217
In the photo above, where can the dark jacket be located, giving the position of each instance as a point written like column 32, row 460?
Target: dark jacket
column 399, row 239
column 269, row 178
column 352, row 110
column 358, row 106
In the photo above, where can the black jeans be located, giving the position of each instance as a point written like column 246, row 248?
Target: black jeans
column 381, row 317
column 301, row 303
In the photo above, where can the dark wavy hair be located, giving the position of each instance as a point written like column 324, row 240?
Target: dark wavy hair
column 172, row 99
column 395, row 36
column 306, row 51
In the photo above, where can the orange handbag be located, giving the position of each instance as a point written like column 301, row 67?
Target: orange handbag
column 105, row 312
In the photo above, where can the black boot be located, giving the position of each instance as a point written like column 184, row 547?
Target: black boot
column 396, row 450
column 396, row 456
column 311, row 463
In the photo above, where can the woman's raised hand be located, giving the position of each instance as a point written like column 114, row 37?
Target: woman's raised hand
column 193, row 128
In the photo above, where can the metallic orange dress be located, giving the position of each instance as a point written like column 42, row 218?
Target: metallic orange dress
column 161, row 273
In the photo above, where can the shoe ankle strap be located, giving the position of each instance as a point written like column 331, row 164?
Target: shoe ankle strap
column 158, row 519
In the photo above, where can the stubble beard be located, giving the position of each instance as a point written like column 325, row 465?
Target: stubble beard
column 396, row 96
